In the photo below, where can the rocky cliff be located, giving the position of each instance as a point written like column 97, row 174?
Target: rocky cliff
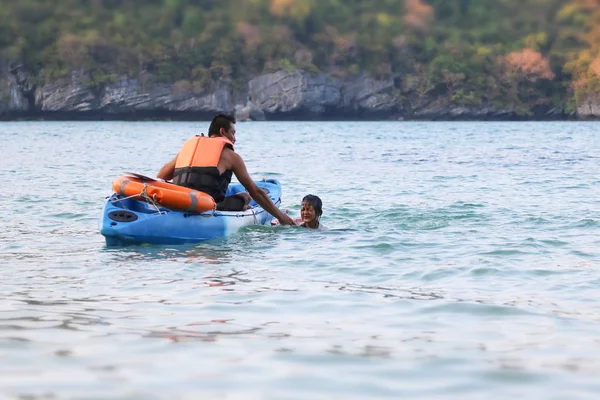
column 16, row 94
column 275, row 96
column 590, row 108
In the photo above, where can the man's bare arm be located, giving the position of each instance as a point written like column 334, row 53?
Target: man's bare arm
column 241, row 173
column 167, row 171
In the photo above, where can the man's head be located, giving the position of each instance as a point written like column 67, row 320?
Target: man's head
column 223, row 125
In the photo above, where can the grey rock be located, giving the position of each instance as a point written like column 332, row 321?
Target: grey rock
column 590, row 108
column 130, row 95
column 556, row 112
column 14, row 88
column 249, row 112
column 242, row 113
column 127, row 95
column 366, row 93
column 285, row 91
column 74, row 94
column 280, row 94
column 299, row 91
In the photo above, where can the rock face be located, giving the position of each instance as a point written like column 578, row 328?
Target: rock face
column 72, row 94
column 300, row 93
column 294, row 92
column 365, row 94
column 279, row 95
column 15, row 91
column 249, row 112
column 590, row 109
column 131, row 95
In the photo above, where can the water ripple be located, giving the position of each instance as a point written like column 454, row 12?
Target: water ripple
column 461, row 261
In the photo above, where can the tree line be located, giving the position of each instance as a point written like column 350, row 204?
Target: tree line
column 510, row 53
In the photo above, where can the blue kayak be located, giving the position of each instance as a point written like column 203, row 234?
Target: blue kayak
column 126, row 221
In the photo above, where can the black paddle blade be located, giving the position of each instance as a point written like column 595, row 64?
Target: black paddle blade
column 140, row 176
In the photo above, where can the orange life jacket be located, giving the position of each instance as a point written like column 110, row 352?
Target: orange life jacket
column 196, row 166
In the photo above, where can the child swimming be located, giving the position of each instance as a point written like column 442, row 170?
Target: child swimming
column 310, row 213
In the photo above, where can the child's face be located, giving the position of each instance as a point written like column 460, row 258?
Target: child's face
column 307, row 213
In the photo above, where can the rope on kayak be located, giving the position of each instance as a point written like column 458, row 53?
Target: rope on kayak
column 144, row 195
column 150, row 200
column 214, row 210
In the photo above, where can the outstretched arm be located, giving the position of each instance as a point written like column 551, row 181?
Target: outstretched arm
column 167, row 171
column 259, row 195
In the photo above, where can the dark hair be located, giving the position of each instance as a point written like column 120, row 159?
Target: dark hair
column 220, row 121
column 315, row 202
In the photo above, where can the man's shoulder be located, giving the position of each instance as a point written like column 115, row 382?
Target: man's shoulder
column 230, row 159
column 228, row 152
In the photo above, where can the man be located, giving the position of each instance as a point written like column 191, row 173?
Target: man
column 207, row 163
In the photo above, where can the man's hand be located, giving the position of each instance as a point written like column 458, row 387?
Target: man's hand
column 284, row 219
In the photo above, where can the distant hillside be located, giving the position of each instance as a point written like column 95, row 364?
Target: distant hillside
column 515, row 55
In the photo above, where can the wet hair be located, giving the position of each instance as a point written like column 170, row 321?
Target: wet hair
column 220, row 121
column 315, row 202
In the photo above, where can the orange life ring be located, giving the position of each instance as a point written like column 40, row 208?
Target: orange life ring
column 166, row 194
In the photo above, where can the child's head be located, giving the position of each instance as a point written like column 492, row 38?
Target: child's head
column 312, row 208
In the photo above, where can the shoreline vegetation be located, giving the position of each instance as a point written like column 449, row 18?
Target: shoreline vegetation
column 300, row 60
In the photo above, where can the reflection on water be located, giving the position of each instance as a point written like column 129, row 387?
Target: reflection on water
column 216, row 251
column 203, row 331
column 201, row 254
column 386, row 292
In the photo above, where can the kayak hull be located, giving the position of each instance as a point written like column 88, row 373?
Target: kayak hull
column 126, row 221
